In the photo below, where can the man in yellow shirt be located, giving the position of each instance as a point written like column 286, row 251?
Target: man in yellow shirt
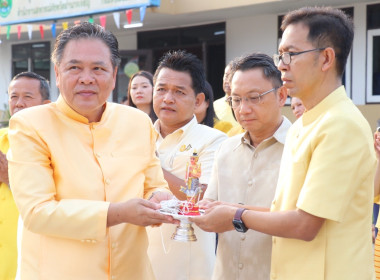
column 222, row 110
column 81, row 170
column 27, row 89
column 322, row 211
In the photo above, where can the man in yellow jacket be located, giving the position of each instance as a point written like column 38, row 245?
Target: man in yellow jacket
column 27, row 89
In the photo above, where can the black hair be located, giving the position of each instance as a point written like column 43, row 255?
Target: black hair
column 183, row 61
column 328, row 27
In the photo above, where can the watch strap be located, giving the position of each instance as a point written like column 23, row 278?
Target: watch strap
column 239, row 213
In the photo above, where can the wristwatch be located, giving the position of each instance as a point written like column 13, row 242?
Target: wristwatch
column 237, row 222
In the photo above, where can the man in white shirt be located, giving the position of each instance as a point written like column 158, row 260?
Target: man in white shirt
column 178, row 89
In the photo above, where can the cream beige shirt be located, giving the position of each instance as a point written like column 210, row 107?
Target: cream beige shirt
column 327, row 170
column 185, row 260
column 64, row 172
column 248, row 175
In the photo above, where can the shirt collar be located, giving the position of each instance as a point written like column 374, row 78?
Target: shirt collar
column 329, row 101
column 182, row 130
column 279, row 135
column 68, row 111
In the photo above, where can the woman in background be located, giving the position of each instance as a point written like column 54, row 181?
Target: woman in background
column 140, row 93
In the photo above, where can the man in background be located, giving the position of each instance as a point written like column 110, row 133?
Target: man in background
column 27, row 89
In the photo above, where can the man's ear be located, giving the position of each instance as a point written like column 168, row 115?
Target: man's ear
column 282, row 94
column 328, row 56
column 199, row 99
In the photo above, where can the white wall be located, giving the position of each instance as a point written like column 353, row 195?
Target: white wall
column 5, row 71
column 251, row 34
column 359, row 50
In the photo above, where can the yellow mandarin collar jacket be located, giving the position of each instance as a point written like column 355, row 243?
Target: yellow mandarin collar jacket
column 64, row 172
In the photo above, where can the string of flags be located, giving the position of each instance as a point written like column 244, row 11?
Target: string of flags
column 65, row 25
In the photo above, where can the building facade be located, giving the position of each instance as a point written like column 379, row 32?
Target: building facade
column 215, row 30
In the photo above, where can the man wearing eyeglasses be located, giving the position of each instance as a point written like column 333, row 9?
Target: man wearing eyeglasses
column 246, row 166
column 321, row 214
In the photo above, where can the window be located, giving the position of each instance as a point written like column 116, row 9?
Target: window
column 33, row 57
column 373, row 53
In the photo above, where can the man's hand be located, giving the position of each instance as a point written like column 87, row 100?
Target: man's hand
column 4, row 169
column 137, row 211
column 216, row 219
column 159, row 196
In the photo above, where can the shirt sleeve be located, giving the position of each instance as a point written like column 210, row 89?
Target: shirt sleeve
column 341, row 161
column 213, row 186
column 32, row 178
column 154, row 177
column 206, row 158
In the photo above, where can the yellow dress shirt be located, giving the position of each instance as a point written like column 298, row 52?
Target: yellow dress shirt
column 64, row 172
column 8, row 223
column 248, row 175
column 328, row 170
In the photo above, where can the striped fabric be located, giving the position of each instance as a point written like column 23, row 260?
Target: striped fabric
column 377, row 257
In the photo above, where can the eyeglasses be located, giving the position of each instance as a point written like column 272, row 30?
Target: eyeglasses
column 286, row 57
column 254, row 98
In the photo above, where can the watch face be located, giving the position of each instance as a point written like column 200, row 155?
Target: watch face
column 239, row 226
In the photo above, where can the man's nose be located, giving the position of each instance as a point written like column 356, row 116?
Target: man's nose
column 169, row 96
column 86, row 77
column 20, row 102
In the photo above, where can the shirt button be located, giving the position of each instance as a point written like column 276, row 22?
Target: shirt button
column 113, row 277
column 274, row 276
column 113, row 246
column 108, row 181
column 97, row 155
column 241, row 266
column 274, row 202
column 243, row 237
column 255, row 155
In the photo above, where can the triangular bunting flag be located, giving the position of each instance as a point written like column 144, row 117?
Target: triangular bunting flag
column 116, row 18
column 77, row 22
column 65, row 25
column 19, row 31
column 42, row 31
column 142, row 13
column 30, row 29
column 91, row 20
column 103, row 21
column 8, row 31
column 53, row 29
column 129, row 16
